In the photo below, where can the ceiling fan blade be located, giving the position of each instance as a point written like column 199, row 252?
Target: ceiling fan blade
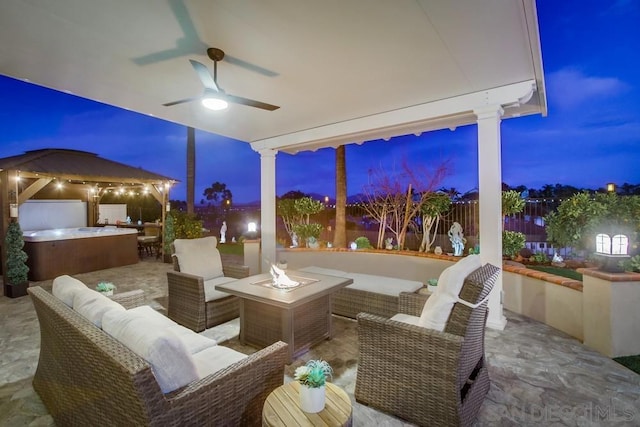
column 182, row 101
column 250, row 102
column 205, row 76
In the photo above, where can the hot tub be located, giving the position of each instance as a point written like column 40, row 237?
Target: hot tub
column 78, row 250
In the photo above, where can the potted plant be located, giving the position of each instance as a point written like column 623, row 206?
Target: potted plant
column 16, row 281
column 313, row 377
column 106, row 288
column 432, row 285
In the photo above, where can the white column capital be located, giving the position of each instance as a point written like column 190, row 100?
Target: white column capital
column 488, row 112
column 267, row 152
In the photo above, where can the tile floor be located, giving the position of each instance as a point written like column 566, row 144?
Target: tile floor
column 539, row 376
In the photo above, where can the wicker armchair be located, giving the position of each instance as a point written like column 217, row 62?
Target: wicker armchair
column 425, row 376
column 187, row 304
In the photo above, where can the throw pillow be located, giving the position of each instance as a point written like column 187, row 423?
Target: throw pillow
column 438, row 307
column 199, row 257
column 65, row 287
column 92, row 305
column 171, row 363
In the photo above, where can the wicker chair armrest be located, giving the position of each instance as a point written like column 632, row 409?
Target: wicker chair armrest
column 406, row 343
column 411, row 303
column 236, row 271
column 187, row 282
column 236, row 394
column 130, row 299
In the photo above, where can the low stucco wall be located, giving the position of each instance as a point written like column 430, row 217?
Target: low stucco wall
column 544, row 300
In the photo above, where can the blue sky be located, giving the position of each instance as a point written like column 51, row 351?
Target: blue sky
column 591, row 136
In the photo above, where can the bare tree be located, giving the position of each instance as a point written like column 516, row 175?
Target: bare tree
column 394, row 199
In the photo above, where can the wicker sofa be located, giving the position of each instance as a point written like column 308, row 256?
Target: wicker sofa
column 188, row 289
column 368, row 293
column 87, row 377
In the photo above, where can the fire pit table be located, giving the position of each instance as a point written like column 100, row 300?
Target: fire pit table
column 299, row 316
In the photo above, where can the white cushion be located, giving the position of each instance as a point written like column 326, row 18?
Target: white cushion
column 214, row 359
column 322, row 270
column 199, row 257
column 438, row 307
column 210, row 292
column 65, row 287
column 92, row 305
column 406, row 318
column 382, row 284
column 170, row 360
column 190, row 339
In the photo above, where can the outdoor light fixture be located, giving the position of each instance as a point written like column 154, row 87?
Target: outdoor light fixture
column 612, row 250
column 214, row 103
column 611, row 187
column 252, row 227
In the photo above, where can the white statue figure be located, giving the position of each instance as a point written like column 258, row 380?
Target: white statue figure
column 557, row 258
column 280, row 278
column 223, row 232
column 457, row 239
column 294, row 239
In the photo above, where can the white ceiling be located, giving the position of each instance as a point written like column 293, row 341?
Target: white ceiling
column 341, row 70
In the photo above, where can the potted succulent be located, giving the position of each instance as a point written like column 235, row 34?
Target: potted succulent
column 432, row 285
column 313, row 377
column 16, row 281
column 106, row 288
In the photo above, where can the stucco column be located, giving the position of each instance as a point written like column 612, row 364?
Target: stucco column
column 268, row 206
column 490, row 193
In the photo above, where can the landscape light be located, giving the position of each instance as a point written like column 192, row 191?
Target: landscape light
column 252, row 227
column 611, row 187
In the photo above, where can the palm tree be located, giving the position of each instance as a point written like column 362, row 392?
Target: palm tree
column 191, row 168
column 340, row 235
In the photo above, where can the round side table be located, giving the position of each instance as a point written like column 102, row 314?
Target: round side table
column 282, row 408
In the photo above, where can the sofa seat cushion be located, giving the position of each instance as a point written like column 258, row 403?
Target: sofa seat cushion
column 210, row 292
column 214, row 359
column 382, row 285
column 65, row 287
column 193, row 341
column 437, row 309
column 199, row 257
column 92, row 305
column 170, row 360
column 407, row 318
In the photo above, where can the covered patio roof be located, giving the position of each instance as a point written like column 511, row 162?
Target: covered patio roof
column 341, row 72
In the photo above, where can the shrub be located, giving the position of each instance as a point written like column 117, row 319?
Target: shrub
column 512, row 242
column 363, row 243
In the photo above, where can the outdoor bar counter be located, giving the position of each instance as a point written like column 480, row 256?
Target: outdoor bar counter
column 61, row 251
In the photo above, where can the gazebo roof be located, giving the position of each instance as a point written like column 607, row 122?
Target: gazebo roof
column 81, row 166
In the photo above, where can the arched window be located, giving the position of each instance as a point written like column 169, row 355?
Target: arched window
column 603, row 244
column 619, row 244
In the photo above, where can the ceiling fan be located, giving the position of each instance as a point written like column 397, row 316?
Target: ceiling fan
column 214, row 97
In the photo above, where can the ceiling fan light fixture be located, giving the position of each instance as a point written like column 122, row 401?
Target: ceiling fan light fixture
column 215, row 104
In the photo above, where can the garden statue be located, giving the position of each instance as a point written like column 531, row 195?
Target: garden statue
column 457, row 239
column 223, row 232
column 294, row 239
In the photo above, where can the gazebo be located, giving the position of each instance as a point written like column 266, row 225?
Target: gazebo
column 341, row 73
column 71, row 174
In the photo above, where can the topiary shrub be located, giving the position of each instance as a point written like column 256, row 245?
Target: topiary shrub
column 16, row 257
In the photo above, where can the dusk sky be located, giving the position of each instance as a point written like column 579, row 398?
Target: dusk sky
column 591, row 136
